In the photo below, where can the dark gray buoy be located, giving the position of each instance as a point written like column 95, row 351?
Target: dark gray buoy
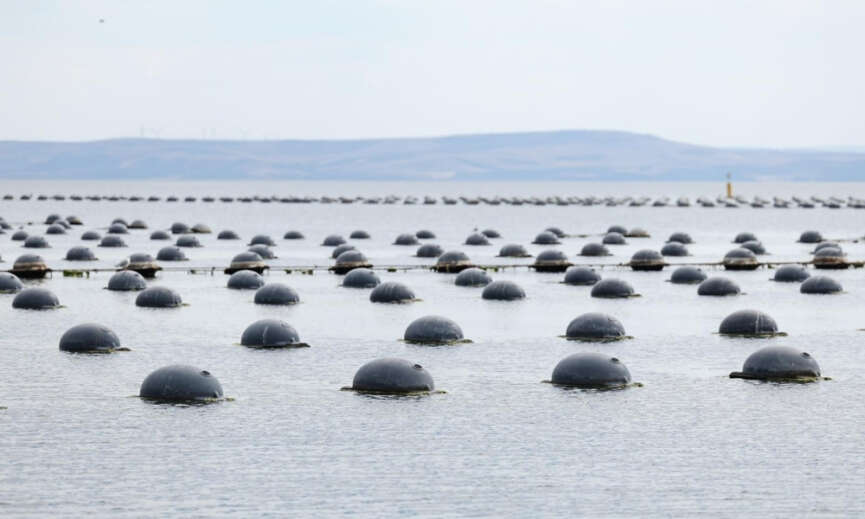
column 80, row 254
column 830, row 258
column 754, row 246
column 179, row 228
column 245, row 280
column 262, row 239
column 612, row 288
column 594, row 249
column 503, row 290
column 595, row 327
column 117, row 228
column 56, row 229
column 263, row 250
column 144, row 264
column 513, row 250
column 614, row 238
column 19, row 236
column 179, row 383
column 433, row 329
column 546, row 238
column 348, row 260
column 29, row 266
column 557, row 231
column 647, row 260
column 333, row 240
column 36, row 242
column 429, row 250
column 340, row 249
column 820, row 285
column 392, row 376
column 749, row 323
column 406, row 239
column 112, row 240
column 551, row 260
column 742, row 237
column 791, row 274
column 740, row 259
column 582, row 276
column 587, row 370
column 227, row 234
column 718, row 286
column 91, row 236
column 392, row 292
column 452, row 261
column 620, row 229
column 35, row 299
column 89, row 338
column 477, row 239
column 201, row 228
column 160, row 235
column 271, row 333
column 126, row 280
column 824, row 244
column 359, row 235
column 810, row 237
column 779, row 363
column 361, row 278
column 171, row 253
column 137, row 224
column 9, row 283
column 293, row 235
column 680, row 237
column 187, row 240
column 158, row 297
column 51, row 218
column 425, row 234
column 687, row 275
column 674, row 249
column 276, row 294
column 491, row 233
column 472, row 277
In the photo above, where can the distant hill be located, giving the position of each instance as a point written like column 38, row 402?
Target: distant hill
column 559, row 155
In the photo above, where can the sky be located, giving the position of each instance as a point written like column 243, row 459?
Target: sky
column 778, row 74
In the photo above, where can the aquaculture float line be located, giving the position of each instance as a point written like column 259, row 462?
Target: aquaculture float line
column 310, row 269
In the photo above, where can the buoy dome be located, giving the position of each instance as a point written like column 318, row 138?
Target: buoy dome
column 405, row 239
column 748, row 323
column 201, row 228
column 112, row 240
column 91, row 236
column 791, row 274
column 35, row 298
column 779, row 363
column 392, row 376
column 80, row 254
column 361, row 278
column 555, row 230
column 9, row 283
column 359, row 235
column 620, row 229
column 270, row 333
column 188, row 240
column 595, row 326
column 339, row 249
column 503, row 290
column 333, row 240
column 429, row 250
column 171, row 253
column 36, row 242
column 680, row 237
column 179, row 228
column 89, row 338
column 425, row 234
column 55, row 229
column 19, row 235
column 117, row 228
column 292, row 235
column 433, row 329
column 594, row 249
column 614, row 238
column 472, row 277
column 513, row 250
column 820, row 285
column 453, row 261
column 477, row 239
column 158, row 297
column 391, row 292
column 674, row 249
column 126, row 280
column 227, row 234
column 276, row 294
column 581, row 276
column 718, row 286
column 612, row 288
column 546, row 238
column 263, row 251
column 742, row 237
column 159, row 235
column 588, row 370
column 179, row 383
column 754, row 246
column 810, row 237
column 491, row 233
column 687, row 275
column 245, row 280
column 262, row 239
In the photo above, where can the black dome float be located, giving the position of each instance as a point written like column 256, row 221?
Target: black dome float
column 339, row 249
column 779, row 364
column 452, row 262
column 160, row 235
column 126, row 280
column 429, row 250
column 594, row 249
column 392, row 376
column 112, row 240
column 647, row 260
column 754, row 246
column 392, row 292
column 9, row 283
column 35, row 299
column 620, row 229
column 595, row 327
column 503, row 290
column 271, row 333
column 513, row 250
column 680, row 237
column 718, row 286
column 581, row 276
column 263, row 250
column 179, row 383
column 613, row 288
column 187, row 240
column 830, row 258
column 546, row 238
column 36, row 242
column 740, row 259
column 551, row 260
column 674, row 249
column 262, row 239
column 791, row 274
column 89, row 338
column 406, row 239
column 587, row 370
column 361, row 278
column 91, row 236
column 276, row 294
column 227, row 234
column 117, row 228
column 245, row 280
column 179, row 228
column 477, row 239
column 472, row 277
column 333, row 240
column 171, row 253
column 687, row 275
column 820, row 285
column 425, row 234
column 433, row 329
column 348, row 260
column 614, row 238
column 144, row 264
column 491, row 233
column 80, row 254
column 158, row 297
column 810, row 237
column 293, row 235
column 29, row 266
column 742, row 237
column 359, row 235
column 749, row 323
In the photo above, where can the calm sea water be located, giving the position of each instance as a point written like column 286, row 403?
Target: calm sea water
column 75, row 440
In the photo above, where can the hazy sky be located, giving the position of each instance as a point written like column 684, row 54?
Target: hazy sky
column 754, row 73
